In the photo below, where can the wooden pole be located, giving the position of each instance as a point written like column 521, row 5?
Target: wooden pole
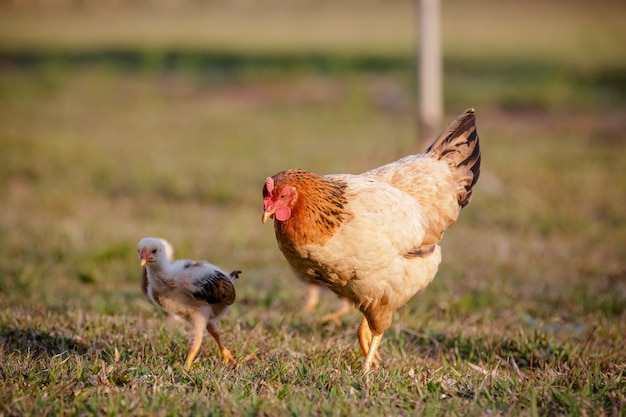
column 430, row 71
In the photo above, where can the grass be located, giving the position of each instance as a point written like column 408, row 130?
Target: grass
column 526, row 315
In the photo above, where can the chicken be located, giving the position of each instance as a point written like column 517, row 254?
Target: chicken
column 374, row 238
column 197, row 291
column 169, row 255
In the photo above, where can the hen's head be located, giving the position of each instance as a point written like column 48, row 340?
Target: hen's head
column 278, row 198
column 154, row 250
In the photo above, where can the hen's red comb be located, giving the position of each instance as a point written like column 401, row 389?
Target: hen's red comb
column 269, row 185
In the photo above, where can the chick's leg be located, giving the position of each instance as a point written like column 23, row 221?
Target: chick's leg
column 312, row 298
column 334, row 317
column 226, row 354
column 368, row 347
column 196, row 342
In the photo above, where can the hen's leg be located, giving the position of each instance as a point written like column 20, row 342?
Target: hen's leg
column 226, row 354
column 371, row 358
column 369, row 349
column 196, row 342
column 365, row 336
column 312, row 298
column 343, row 309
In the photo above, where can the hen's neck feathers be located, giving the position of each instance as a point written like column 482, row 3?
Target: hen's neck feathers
column 319, row 210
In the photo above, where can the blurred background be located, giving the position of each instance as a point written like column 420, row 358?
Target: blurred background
column 123, row 119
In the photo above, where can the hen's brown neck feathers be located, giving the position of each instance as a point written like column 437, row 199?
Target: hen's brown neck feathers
column 319, row 210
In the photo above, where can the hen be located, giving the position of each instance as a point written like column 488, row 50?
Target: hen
column 197, row 291
column 373, row 238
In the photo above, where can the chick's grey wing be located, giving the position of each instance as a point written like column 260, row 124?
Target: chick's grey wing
column 214, row 287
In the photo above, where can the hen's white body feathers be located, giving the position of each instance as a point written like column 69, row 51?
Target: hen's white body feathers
column 365, row 258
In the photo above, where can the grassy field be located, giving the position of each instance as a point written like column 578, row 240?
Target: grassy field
column 169, row 125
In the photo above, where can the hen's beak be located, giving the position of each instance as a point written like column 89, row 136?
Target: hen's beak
column 144, row 262
column 266, row 215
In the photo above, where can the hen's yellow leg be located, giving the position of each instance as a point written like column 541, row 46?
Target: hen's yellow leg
column 372, row 354
column 226, row 354
column 312, row 298
column 369, row 349
column 334, row 317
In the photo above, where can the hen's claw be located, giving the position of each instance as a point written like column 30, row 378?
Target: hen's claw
column 369, row 342
column 335, row 317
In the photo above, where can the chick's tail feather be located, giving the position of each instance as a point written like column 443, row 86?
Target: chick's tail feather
column 458, row 145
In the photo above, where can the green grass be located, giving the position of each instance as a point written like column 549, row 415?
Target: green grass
column 526, row 315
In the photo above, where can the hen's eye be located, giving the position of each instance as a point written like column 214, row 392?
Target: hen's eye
column 153, row 250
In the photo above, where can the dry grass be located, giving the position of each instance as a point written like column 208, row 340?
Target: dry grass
column 526, row 316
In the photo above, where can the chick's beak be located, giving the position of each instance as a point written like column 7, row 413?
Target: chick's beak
column 266, row 215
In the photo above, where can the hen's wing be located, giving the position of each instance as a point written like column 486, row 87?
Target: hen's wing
column 442, row 177
column 368, row 258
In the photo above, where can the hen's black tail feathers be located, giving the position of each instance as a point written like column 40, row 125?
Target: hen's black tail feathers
column 458, row 145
